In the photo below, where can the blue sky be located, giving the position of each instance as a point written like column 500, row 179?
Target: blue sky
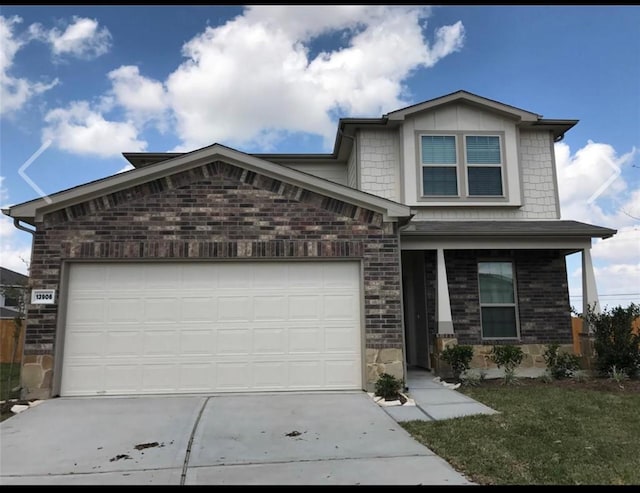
column 83, row 84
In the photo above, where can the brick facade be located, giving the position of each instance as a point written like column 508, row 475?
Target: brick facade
column 219, row 211
column 542, row 291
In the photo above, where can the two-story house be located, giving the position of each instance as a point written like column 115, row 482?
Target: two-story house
column 221, row 271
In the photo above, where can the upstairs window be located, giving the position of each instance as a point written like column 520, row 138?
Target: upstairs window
column 484, row 165
column 461, row 165
column 439, row 165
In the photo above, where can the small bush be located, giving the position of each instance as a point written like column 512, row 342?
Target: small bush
column 615, row 343
column 459, row 357
column 388, row 387
column 473, row 379
column 560, row 363
column 508, row 357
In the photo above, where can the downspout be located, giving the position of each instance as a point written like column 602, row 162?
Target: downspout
column 16, row 223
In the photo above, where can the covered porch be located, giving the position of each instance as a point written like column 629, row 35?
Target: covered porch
column 483, row 283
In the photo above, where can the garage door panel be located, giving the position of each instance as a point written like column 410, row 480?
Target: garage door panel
column 234, row 341
column 123, row 343
column 269, row 308
column 234, row 276
column 198, row 309
column 160, row 377
column 339, row 340
column 195, row 342
column 269, row 375
column 123, row 310
column 233, row 376
column 306, row 374
column 161, row 342
column 269, row 341
column 122, row 379
column 340, row 373
column 89, row 311
column 197, row 277
column 304, row 307
column 336, row 276
column 212, row 327
column 339, row 307
column 234, row 308
column 196, row 377
column 85, row 345
column 305, row 340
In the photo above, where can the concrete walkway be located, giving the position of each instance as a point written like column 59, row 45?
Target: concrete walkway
column 324, row 438
column 434, row 401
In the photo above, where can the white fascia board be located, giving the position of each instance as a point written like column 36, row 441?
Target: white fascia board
column 36, row 209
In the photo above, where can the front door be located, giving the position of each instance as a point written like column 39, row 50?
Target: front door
column 415, row 309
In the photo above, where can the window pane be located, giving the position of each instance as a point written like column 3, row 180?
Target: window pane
column 439, row 149
column 439, row 180
column 496, row 282
column 499, row 321
column 485, row 180
column 483, row 149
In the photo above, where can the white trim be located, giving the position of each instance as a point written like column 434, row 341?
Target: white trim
column 500, row 305
column 482, row 243
column 36, row 209
column 443, row 308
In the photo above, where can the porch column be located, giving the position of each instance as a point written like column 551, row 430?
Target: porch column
column 589, row 290
column 443, row 313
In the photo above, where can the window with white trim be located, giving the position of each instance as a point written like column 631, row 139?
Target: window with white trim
column 498, row 310
column 478, row 174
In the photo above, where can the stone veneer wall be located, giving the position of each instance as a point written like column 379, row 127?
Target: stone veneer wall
column 542, row 293
column 218, row 211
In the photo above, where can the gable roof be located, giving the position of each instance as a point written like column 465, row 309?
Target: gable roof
column 9, row 277
column 34, row 210
column 523, row 118
column 347, row 127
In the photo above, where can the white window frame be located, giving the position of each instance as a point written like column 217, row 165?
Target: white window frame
column 468, row 165
column 514, row 305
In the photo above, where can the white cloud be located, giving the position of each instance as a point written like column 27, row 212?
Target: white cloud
column 617, row 259
column 141, row 97
column 81, row 130
column 582, row 175
column 15, row 91
column 15, row 248
column 82, row 38
column 251, row 81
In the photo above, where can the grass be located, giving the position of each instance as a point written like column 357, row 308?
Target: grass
column 544, row 435
column 9, row 379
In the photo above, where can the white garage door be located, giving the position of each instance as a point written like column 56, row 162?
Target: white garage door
column 156, row 328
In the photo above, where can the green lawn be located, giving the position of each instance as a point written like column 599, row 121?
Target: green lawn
column 9, row 379
column 545, row 434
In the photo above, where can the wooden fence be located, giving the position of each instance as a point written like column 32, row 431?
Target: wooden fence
column 576, row 327
column 7, row 332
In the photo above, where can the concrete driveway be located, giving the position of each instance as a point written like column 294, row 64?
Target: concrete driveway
column 292, row 438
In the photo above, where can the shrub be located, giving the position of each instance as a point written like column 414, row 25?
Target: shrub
column 560, row 363
column 388, row 387
column 615, row 343
column 508, row 357
column 459, row 357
